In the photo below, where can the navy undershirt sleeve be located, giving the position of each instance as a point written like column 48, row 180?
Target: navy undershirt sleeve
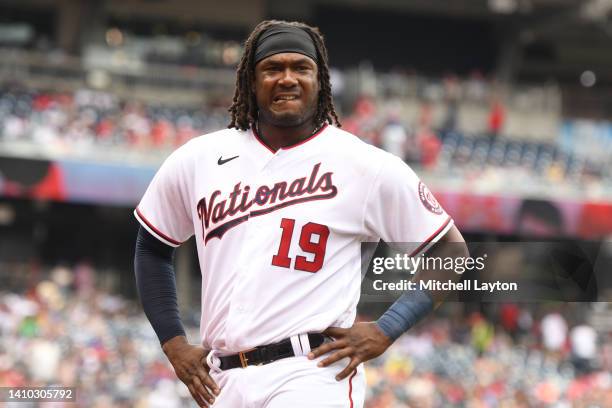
column 154, row 269
column 407, row 311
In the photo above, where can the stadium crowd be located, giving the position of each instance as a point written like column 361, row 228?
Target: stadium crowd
column 70, row 121
column 88, row 121
column 65, row 331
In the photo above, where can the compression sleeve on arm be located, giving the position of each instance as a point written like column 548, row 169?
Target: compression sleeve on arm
column 154, row 269
column 407, row 311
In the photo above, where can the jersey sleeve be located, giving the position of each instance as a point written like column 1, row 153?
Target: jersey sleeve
column 164, row 208
column 402, row 211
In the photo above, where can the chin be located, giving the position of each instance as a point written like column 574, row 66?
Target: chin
column 287, row 119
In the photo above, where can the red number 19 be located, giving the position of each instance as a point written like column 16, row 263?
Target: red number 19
column 316, row 248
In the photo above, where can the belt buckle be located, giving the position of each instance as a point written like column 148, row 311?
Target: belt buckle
column 243, row 359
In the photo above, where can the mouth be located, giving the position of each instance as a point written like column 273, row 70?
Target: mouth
column 285, row 98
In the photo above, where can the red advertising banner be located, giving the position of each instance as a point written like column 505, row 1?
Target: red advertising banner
column 527, row 216
column 103, row 184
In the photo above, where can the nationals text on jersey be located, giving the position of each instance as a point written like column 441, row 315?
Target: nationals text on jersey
column 298, row 191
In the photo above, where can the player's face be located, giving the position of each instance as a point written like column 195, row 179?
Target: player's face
column 287, row 89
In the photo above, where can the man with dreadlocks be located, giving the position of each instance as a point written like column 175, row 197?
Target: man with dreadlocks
column 280, row 203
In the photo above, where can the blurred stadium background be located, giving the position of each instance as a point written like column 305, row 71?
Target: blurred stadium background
column 504, row 107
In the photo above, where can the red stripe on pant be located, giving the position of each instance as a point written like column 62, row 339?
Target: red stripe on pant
column 351, row 387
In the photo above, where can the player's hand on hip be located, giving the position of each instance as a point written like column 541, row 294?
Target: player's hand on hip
column 362, row 342
column 189, row 362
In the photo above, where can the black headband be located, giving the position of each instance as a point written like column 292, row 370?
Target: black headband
column 284, row 39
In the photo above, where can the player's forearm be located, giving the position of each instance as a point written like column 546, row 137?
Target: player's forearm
column 154, row 269
column 414, row 305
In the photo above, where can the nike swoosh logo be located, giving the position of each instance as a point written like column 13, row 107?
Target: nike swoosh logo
column 223, row 161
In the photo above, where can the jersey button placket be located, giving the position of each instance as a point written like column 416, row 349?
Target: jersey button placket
column 250, row 234
column 258, row 179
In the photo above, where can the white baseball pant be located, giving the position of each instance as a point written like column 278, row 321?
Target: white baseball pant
column 294, row 382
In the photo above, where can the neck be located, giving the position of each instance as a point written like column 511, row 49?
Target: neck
column 276, row 137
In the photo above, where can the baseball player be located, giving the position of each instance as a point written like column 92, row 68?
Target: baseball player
column 279, row 204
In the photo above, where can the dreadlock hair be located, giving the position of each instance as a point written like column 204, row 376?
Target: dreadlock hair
column 244, row 106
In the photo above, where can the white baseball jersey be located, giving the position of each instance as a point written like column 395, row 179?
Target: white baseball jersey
column 278, row 233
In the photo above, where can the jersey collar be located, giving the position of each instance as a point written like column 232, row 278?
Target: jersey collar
column 301, row 142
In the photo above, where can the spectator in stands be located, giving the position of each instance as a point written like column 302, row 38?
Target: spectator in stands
column 482, row 333
column 509, row 315
column 553, row 329
column 497, row 118
column 476, row 87
column 429, row 146
column 427, row 141
column 452, row 95
column 393, row 136
column 583, row 340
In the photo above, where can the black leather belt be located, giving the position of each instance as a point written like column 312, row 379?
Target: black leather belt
column 266, row 354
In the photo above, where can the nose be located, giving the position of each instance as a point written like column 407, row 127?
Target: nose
column 288, row 78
